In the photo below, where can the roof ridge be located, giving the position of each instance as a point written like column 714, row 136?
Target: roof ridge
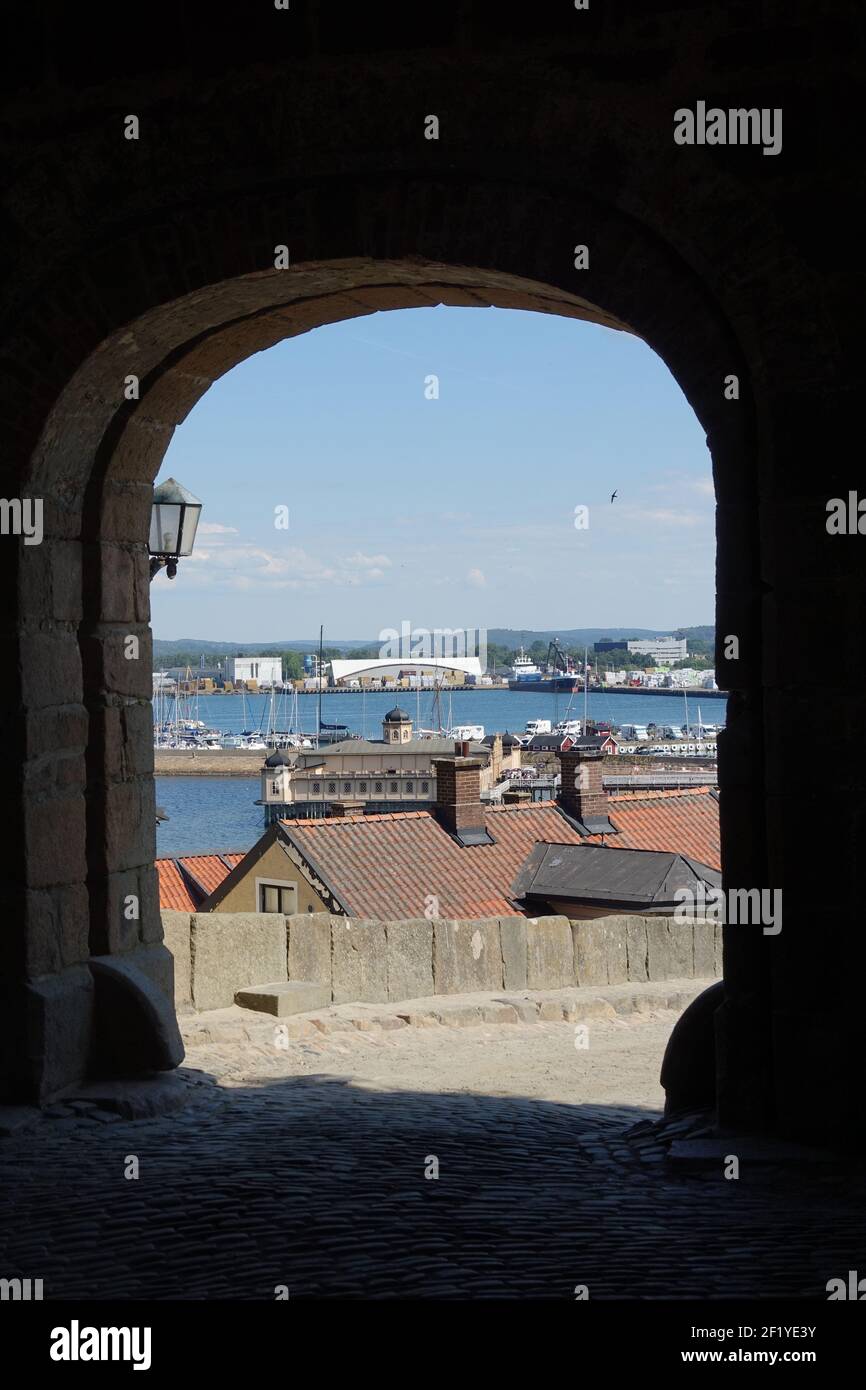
column 329, row 822
column 658, row 793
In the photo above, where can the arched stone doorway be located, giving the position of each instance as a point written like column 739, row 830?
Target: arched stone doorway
column 178, row 285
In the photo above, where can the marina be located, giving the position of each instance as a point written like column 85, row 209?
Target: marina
column 251, row 723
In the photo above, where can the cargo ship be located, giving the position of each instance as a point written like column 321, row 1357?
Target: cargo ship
column 559, row 674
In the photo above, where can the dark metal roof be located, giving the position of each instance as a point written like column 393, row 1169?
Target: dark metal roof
column 397, row 716
column 435, row 747
column 546, row 743
column 278, row 759
column 599, row 874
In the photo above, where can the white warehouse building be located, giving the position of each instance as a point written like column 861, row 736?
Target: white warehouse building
column 264, row 670
column 660, row 649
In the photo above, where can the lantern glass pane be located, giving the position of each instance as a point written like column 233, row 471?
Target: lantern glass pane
column 188, row 525
column 164, row 526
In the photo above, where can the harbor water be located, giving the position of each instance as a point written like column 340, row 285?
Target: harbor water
column 497, row 710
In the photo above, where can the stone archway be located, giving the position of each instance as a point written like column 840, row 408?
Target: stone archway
column 162, row 268
column 173, row 353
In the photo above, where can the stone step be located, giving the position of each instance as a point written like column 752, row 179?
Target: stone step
column 284, row 997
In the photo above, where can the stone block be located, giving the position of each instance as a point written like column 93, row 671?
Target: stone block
column 526, row 1009
column 421, row 1017
column 358, row 961
column 456, row 1015
column 55, row 857
column 410, row 958
column 670, row 949
column 59, row 1016
column 614, row 934
column 366, row 1018
column 497, row 1012
column 232, row 950
column 59, row 928
column 549, row 953
column 310, row 947
column 145, row 1099
column 467, row 956
column 551, row 1011
column 578, row 1009
column 704, row 950
column 285, row 997
column 299, row 1028
column 636, row 949
column 512, row 939
column 130, row 814
column 590, row 952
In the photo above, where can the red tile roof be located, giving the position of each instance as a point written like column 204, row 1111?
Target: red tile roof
column 185, row 883
column 686, row 822
column 389, row 865
column 173, row 892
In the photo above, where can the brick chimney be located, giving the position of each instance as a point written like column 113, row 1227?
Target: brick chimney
column 458, row 792
column 582, row 791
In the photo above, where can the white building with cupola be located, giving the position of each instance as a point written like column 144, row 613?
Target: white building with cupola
column 362, row 776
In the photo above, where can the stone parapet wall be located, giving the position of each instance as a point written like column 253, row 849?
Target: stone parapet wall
column 364, row 961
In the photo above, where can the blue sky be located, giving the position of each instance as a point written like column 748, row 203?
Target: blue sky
column 449, row 512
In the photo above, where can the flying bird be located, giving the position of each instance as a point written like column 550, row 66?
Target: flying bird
column 613, row 495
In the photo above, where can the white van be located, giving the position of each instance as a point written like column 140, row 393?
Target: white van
column 569, row 726
column 538, row 726
column 471, row 733
column 638, row 732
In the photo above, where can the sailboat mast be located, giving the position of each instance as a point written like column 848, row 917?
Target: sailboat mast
column 585, row 690
column 319, row 735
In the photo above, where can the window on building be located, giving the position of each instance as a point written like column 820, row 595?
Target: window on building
column 377, row 787
column 347, row 786
column 363, row 788
column 409, row 786
column 317, row 786
column 278, row 897
column 425, row 786
column 332, row 787
column 393, row 786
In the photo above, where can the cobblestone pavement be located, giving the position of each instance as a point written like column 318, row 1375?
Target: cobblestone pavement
column 306, row 1168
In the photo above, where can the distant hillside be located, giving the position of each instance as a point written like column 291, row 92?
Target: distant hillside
column 163, row 650
column 569, row 636
column 585, row 636
column 165, row 653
